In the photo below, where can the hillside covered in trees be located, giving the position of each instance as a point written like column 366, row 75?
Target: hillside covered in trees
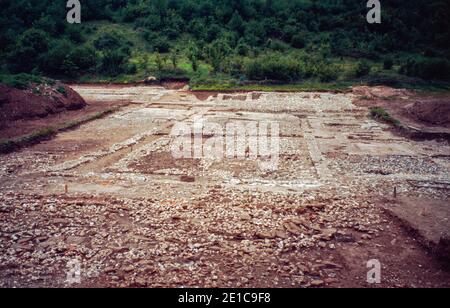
column 210, row 41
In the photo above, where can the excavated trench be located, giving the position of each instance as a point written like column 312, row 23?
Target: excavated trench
column 117, row 199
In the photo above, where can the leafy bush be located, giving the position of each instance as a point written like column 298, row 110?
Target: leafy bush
column 85, row 58
column 273, row 67
column 110, row 41
column 131, row 69
column 24, row 57
column 20, row 81
column 363, row 69
column 53, row 61
column 430, row 68
column 379, row 113
column 173, row 73
column 159, row 43
column 326, row 72
column 113, row 62
column 388, row 63
column 242, row 48
column 318, row 67
column 277, row 45
column 62, row 90
column 298, row 41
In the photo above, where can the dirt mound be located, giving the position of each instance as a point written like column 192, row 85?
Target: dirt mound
column 433, row 112
column 36, row 102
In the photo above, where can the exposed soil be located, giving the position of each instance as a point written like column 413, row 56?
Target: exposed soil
column 428, row 115
column 37, row 102
column 431, row 112
column 162, row 162
column 174, row 85
column 427, row 219
column 204, row 95
column 111, row 195
column 25, row 112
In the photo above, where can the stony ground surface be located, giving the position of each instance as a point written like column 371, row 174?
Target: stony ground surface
column 110, row 195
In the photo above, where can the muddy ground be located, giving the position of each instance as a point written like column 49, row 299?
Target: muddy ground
column 110, row 195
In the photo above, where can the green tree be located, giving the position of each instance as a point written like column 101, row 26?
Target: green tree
column 193, row 54
column 236, row 23
column 174, row 58
column 31, row 45
column 363, row 69
column 53, row 62
column 85, row 58
column 159, row 63
column 216, row 52
column 114, row 62
column 298, row 41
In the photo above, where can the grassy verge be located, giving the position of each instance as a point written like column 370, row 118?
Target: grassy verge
column 8, row 146
column 77, row 123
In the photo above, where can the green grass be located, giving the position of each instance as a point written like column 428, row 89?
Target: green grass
column 62, row 90
column 381, row 114
column 7, row 146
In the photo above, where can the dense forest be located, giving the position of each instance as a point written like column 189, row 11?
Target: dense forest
column 240, row 40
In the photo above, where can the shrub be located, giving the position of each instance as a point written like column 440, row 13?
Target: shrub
column 62, row 90
column 84, row 57
column 74, row 34
column 113, row 62
column 273, row 67
column 242, row 49
column 277, row 45
column 131, row 69
column 434, row 68
column 379, row 113
column 20, row 81
column 25, row 55
column 52, row 62
column 388, row 63
column 234, row 66
column 17, row 83
column 159, row 43
column 173, row 73
column 109, row 41
column 298, row 41
column 363, row 69
column 318, row 67
column 326, row 72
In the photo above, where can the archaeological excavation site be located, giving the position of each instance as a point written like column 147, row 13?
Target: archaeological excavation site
column 353, row 200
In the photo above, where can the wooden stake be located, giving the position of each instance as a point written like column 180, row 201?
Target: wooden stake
column 66, row 188
column 395, row 192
